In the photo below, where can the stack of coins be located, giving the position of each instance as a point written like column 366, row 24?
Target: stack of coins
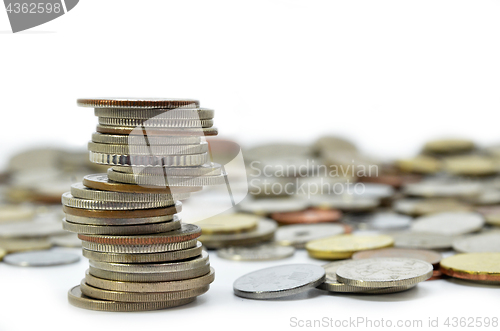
column 141, row 256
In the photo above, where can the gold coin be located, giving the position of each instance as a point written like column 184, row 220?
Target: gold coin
column 470, row 165
column 228, row 223
column 473, row 266
column 9, row 213
column 21, row 245
column 419, row 164
column 448, row 146
column 343, row 246
column 3, row 252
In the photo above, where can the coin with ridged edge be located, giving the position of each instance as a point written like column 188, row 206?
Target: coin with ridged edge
column 133, row 249
column 156, row 150
column 141, row 140
column 177, row 113
column 149, row 160
column 157, row 122
column 279, row 281
column 384, row 272
column 419, row 254
column 143, row 257
column 185, row 233
column 123, row 229
column 70, row 201
column 178, row 285
column 208, row 169
column 101, row 182
column 146, row 268
column 98, row 293
column 167, row 180
column 483, row 266
column 80, row 191
column 135, row 103
column 78, row 299
column 157, row 131
column 150, row 277
column 139, row 213
column 229, row 223
column 118, row 221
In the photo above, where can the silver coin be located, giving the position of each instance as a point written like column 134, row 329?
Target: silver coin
column 119, row 221
column 150, row 277
column 442, row 188
column 263, row 252
column 487, row 242
column 31, row 229
column 422, row 240
column 384, row 272
column 180, row 113
column 208, row 169
column 384, row 221
column 157, row 122
column 450, row 223
column 279, row 281
column 41, row 258
column 70, row 240
column 140, row 140
column 269, row 206
column 149, row 160
column 70, row 201
column 157, row 150
column 372, row 190
column 298, row 235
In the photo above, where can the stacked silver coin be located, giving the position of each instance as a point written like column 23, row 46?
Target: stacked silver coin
column 142, row 257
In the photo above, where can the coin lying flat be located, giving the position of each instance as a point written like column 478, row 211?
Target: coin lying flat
column 21, row 245
column 144, row 114
column 487, row 242
column 448, row 146
column 473, row 266
column 119, row 221
column 139, row 213
column 78, row 190
column 143, row 257
column 346, row 202
column 158, row 122
column 41, row 258
column 69, row 240
column 126, row 130
column 383, row 221
column 264, row 252
column 150, row 277
column 418, row 254
column 417, row 207
column 78, row 299
column 442, row 189
column 10, row 213
column 299, row 235
column 451, row 224
column 267, row 206
column 470, row 165
column 279, row 281
column 3, row 252
column 136, row 103
column 178, row 285
column 207, row 169
column 123, row 229
column 419, row 240
column 69, row 200
column 139, row 249
column 140, row 139
column 491, row 214
column 308, row 216
column 343, row 246
column 420, row 164
column 229, row 223
column 384, row 272
column 264, row 232
column 30, row 229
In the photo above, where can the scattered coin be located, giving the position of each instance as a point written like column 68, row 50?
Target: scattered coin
column 41, row 258
column 279, row 281
column 418, row 207
column 3, row 252
column 418, row 240
column 21, row 245
column 487, row 242
column 10, row 213
column 491, row 214
column 30, row 229
column 343, row 246
column 384, row 272
column 268, row 206
column 450, row 224
column 299, row 235
column 228, row 223
column 473, row 266
column 442, row 189
column 420, row 165
column 448, row 146
column 418, row 254
column 264, row 252
column 310, row 215
column 470, row 165
column 69, row 240
column 346, row 202
column 383, row 221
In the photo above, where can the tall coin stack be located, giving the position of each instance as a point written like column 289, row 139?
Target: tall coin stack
column 142, row 257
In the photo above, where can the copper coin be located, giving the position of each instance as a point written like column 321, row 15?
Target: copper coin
column 138, row 213
column 101, row 182
column 311, row 215
column 437, row 274
column 420, row 254
column 185, row 233
column 157, row 132
column 145, row 103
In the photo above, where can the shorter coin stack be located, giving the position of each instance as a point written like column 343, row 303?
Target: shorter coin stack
column 141, row 256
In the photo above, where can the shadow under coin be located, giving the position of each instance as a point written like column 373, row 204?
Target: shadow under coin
column 410, row 294
column 309, row 294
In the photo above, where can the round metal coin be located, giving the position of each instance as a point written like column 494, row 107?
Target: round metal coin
column 419, row 254
column 487, row 242
column 450, row 224
column 265, row 252
column 41, row 258
column 299, row 235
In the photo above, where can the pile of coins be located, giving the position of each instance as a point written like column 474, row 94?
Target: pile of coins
column 142, row 257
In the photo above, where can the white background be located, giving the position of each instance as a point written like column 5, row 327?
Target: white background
column 387, row 74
